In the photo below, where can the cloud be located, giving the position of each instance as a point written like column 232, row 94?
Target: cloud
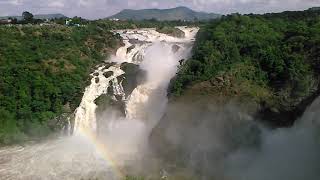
column 56, row 4
column 11, row 2
column 102, row 8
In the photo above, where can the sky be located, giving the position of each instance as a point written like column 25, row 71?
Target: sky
column 94, row 9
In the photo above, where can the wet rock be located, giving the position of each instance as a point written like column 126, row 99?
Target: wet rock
column 175, row 48
column 133, row 77
column 61, row 123
column 129, row 49
column 105, row 101
column 108, row 65
column 118, row 98
column 137, row 57
column 108, row 74
column 97, row 80
column 181, row 62
column 107, row 104
column 96, row 74
column 110, row 89
column 136, row 41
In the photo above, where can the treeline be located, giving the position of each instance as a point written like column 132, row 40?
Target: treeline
column 153, row 23
column 43, row 70
column 272, row 58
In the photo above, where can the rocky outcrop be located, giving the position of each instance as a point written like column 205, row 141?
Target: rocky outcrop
column 113, row 104
column 285, row 116
column 171, row 31
column 175, row 48
column 132, row 77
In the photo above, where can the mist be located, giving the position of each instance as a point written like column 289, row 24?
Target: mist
column 288, row 153
column 217, row 141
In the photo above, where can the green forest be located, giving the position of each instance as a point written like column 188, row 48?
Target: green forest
column 43, row 71
column 273, row 59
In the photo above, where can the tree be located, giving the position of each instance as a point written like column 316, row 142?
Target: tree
column 27, row 16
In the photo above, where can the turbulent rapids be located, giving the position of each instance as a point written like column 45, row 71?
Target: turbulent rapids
column 104, row 142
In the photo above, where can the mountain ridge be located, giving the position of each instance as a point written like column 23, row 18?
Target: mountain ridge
column 177, row 13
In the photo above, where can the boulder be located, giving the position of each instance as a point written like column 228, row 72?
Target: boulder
column 97, row 80
column 108, row 74
column 129, row 49
column 175, row 48
column 132, row 77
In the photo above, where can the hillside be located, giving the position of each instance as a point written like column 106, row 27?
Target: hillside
column 38, row 16
column 43, row 72
column 179, row 13
column 315, row 9
column 269, row 60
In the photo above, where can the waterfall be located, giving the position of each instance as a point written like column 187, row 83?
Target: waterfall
column 152, row 51
column 98, row 149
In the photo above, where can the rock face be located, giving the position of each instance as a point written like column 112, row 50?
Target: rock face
column 175, row 48
column 105, row 102
column 108, row 74
column 286, row 115
column 132, row 77
column 171, row 31
column 113, row 104
column 130, row 48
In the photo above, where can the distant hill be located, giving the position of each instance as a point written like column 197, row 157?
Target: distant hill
column 178, row 13
column 314, row 9
column 38, row 16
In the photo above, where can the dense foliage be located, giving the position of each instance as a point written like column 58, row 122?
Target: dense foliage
column 272, row 58
column 43, row 70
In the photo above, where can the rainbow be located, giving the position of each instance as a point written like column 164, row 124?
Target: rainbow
column 104, row 152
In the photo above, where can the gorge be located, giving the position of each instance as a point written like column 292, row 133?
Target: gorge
column 208, row 128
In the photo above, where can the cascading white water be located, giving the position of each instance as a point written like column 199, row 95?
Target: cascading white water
column 85, row 114
column 153, row 51
column 85, row 157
